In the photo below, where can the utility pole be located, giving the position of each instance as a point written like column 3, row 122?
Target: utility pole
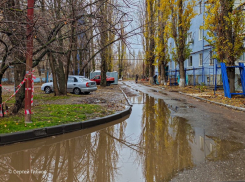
column 29, row 52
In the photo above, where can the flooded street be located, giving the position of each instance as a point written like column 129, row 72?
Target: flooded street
column 162, row 140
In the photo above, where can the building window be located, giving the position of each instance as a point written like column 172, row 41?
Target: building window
column 208, row 79
column 200, row 7
column 242, row 58
column 190, row 61
column 200, row 34
column 189, row 38
column 200, row 60
column 211, row 62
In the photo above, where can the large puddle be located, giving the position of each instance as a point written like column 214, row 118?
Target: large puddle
column 151, row 145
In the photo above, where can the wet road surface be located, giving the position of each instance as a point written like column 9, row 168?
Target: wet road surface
column 166, row 138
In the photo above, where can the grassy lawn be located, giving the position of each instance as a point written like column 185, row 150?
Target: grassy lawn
column 50, row 110
column 51, row 115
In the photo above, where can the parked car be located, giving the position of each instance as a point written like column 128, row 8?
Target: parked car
column 97, row 79
column 75, row 84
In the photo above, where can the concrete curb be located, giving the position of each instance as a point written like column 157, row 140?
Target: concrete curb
column 129, row 103
column 217, row 103
column 60, row 129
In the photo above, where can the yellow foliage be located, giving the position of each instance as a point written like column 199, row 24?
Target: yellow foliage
column 162, row 32
column 225, row 30
column 182, row 12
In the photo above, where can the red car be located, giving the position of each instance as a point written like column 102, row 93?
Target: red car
column 109, row 80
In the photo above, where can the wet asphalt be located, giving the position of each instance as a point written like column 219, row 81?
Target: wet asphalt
column 215, row 137
column 167, row 137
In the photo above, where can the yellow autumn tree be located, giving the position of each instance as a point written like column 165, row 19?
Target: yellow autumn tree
column 149, row 34
column 162, row 55
column 182, row 12
column 225, row 24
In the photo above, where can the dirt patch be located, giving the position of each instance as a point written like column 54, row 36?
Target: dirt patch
column 110, row 97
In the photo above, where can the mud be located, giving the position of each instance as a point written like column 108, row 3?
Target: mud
column 109, row 97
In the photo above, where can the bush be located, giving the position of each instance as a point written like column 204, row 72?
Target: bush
column 202, row 87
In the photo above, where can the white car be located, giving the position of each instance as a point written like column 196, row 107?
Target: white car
column 75, row 84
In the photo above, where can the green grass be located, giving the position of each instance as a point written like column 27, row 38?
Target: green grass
column 51, row 115
column 46, row 97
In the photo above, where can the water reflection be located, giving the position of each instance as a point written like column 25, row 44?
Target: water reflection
column 171, row 144
column 160, row 145
column 92, row 157
column 165, row 141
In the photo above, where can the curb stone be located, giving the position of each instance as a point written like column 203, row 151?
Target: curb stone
column 129, row 103
column 22, row 146
column 60, row 129
column 217, row 103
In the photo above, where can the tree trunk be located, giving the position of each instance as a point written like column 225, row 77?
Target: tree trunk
column 151, row 60
column 119, row 61
column 163, row 80
column 151, row 73
column 181, row 48
column 103, row 70
column 61, row 77
column 92, row 40
column 52, row 66
column 74, row 48
column 8, row 75
column 18, row 41
column 19, row 74
column 39, row 73
column 230, row 33
column 231, row 78
column 182, row 74
column 58, row 70
column 103, row 41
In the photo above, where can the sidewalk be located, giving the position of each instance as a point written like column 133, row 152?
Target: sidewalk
column 205, row 94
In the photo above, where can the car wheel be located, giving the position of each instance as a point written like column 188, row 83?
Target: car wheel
column 76, row 91
column 108, row 83
column 86, row 93
column 47, row 90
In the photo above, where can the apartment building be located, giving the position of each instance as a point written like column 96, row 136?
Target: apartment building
column 201, row 66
